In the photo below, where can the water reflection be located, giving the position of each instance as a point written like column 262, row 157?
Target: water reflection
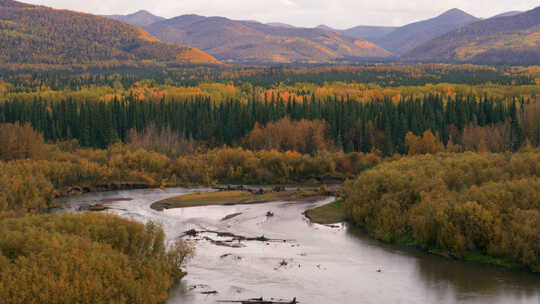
column 325, row 266
column 450, row 281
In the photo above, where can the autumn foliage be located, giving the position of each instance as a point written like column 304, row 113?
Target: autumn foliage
column 20, row 142
column 455, row 204
column 303, row 136
column 88, row 258
column 33, row 173
column 40, row 35
column 427, row 144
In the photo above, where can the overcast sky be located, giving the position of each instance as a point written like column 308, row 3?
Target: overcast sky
column 308, row 13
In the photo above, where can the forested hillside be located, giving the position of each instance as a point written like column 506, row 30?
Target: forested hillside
column 511, row 39
column 40, row 35
column 246, row 41
column 406, row 38
column 369, row 33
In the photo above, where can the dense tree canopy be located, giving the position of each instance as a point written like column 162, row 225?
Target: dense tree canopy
column 87, row 258
column 455, row 204
column 380, row 124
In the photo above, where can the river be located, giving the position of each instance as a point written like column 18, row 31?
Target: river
column 317, row 264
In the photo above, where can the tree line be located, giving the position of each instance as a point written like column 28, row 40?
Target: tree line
column 104, row 73
column 34, row 173
column 352, row 126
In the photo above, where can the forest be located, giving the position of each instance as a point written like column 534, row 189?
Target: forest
column 87, row 258
column 441, row 157
column 468, row 205
column 352, row 116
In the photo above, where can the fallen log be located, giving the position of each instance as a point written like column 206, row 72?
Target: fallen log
column 234, row 237
column 97, row 207
column 260, row 301
column 230, row 188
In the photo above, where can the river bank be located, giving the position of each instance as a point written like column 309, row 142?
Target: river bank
column 323, row 264
column 327, row 214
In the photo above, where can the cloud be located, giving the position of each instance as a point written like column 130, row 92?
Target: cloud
column 336, row 13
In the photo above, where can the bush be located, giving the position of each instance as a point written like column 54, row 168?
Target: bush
column 454, row 203
column 90, row 258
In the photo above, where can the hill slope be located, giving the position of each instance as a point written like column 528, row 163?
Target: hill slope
column 365, row 32
column 39, row 35
column 407, row 37
column 256, row 42
column 369, row 33
column 502, row 40
column 508, row 14
column 281, row 24
column 140, row 18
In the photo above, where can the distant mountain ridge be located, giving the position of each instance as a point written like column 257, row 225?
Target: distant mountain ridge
column 508, row 14
column 32, row 34
column 365, row 32
column 406, row 38
column 503, row 40
column 141, row 18
column 250, row 41
column 279, row 24
column 41, row 35
column 369, row 33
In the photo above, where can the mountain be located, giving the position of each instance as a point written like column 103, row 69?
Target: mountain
column 326, row 28
column 279, row 24
column 41, row 35
column 508, row 14
column 504, row 40
column 248, row 41
column 369, row 33
column 140, row 18
column 405, row 38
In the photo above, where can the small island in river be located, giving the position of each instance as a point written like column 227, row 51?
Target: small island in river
column 239, row 197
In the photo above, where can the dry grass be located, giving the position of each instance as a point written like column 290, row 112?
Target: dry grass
column 235, row 198
column 332, row 213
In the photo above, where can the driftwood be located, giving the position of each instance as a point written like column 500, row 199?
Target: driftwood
column 234, row 237
column 261, row 301
column 228, row 243
column 239, row 188
column 230, row 188
column 231, row 216
column 97, row 207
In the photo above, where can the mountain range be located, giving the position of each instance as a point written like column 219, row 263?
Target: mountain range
column 405, row 38
column 249, row 41
column 141, row 18
column 513, row 39
column 32, row 34
column 41, row 35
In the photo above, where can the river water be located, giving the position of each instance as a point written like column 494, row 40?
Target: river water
column 316, row 264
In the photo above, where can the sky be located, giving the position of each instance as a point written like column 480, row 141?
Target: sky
column 339, row 14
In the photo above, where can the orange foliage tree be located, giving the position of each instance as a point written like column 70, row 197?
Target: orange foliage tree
column 303, row 136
